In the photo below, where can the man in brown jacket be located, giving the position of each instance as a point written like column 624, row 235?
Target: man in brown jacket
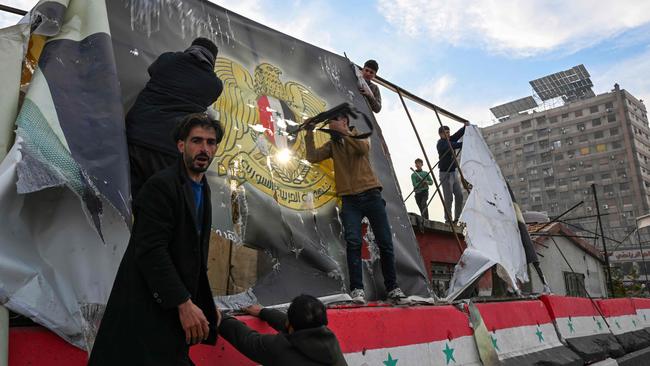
column 360, row 192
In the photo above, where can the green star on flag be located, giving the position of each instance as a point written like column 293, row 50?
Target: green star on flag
column 540, row 335
column 570, row 324
column 449, row 354
column 494, row 342
column 644, row 317
column 618, row 325
column 634, row 322
column 600, row 327
column 390, row 361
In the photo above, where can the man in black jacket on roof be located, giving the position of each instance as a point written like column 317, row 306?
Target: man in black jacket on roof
column 180, row 83
column 449, row 179
column 303, row 337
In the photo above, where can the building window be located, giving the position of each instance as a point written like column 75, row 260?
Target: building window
column 440, row 277
column 601, row 147
column 611, row 118
column 613, row 131
column 593, row 109
column 609, row 105
column 526, row 124
column 578, row 113
column 584, row 151
column 574, row 284
column 515, row 129
column 581, row 126
column 599, row 135
column 616, row 145
column 595, row 122
column 589, row 177
column 553, row 119
column 565, row 116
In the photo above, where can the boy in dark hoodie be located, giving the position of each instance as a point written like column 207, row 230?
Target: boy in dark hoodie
column 303, row 337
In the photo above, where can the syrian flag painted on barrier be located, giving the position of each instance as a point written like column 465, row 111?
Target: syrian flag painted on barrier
column 582, row 328
column 624, row 323
column 522, row 333
column 642, row 307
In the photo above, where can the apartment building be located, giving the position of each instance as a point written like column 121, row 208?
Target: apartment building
column 552, row 157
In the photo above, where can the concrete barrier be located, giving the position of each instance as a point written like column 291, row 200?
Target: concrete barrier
column 523, row 333
column 425, row 335
column 642, row 307
column 581, row 327
column 624, row 323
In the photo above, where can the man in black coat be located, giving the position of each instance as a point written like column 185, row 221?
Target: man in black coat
column 304, row 338
column 180, row 83
column 161, row 301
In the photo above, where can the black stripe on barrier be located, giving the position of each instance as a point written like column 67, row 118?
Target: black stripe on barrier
column 556, row 356
column 634, row 341
column 596, row 347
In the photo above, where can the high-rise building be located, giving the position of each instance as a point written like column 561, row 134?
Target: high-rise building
column 552, row 157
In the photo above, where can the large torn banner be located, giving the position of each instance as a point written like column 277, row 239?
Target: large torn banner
column 64, row 192
column 492, row 234
column 269, row 203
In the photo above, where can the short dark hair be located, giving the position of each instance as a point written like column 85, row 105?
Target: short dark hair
column 208, row 44
column 306, row 312
column 372, row 64
column 197, row 119
column 418, row 160
column 442, row 129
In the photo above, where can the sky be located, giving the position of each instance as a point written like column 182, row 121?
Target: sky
column 465, row 56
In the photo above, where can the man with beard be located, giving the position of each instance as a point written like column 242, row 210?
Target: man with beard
column 180, row 83
column 161, row 302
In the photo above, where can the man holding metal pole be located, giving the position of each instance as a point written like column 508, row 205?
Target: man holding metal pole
column 449, row 179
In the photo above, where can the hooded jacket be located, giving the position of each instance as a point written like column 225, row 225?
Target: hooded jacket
column 307, row 347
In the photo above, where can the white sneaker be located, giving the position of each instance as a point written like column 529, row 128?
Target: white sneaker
column 358, row 296
column 397, row 296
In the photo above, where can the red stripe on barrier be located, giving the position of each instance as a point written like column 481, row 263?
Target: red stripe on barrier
column 357, row 330
column 503, row 315
column 367, row 328
column 616, row 307
column 641, row 303
column 38, row 346
column 563, row 306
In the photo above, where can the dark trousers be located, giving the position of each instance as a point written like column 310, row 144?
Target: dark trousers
column 421, row 198
column 144, row 163
column 368, row 204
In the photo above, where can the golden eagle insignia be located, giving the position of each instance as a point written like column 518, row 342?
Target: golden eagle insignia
column 256, row 111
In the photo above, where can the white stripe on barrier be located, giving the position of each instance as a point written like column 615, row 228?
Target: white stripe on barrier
column 624, row 324
column 581, row 326
column 607, row 362
column 518, row 341
column 458, row 351
column 644, row 317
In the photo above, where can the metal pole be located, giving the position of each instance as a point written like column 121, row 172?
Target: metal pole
column 602, row 237
column 426, row 158
column 4, row 336
column 645, row 268
column 9, row 9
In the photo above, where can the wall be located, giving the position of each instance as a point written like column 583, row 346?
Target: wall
column 554, row 265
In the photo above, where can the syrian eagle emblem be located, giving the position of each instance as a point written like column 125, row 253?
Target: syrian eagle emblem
column 256, row 111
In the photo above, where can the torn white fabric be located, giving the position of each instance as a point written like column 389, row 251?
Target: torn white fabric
column 58, row 277
column 492, row 235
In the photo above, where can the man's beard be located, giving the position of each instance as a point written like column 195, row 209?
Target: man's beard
column 190, row 163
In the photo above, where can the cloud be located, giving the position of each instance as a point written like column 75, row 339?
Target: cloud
column 514, row 27
column 629, row 74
